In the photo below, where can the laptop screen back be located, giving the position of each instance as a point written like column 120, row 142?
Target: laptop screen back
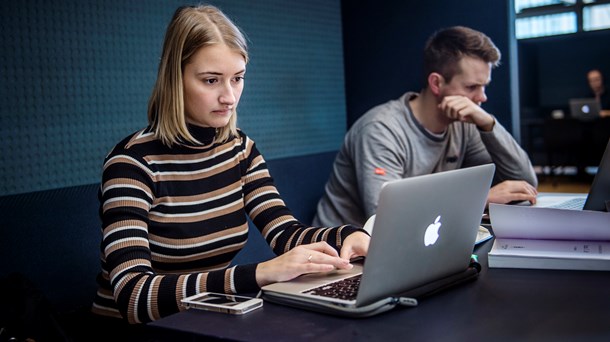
column 584, row 109
column 599, row 195
column 425, row 228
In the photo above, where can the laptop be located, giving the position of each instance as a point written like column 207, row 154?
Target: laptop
column 425, row 229
column 584, row 108
column 598, row 198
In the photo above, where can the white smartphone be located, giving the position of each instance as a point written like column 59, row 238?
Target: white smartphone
column 220, row 302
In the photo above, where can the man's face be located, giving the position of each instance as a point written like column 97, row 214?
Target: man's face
column 595, row 81
column 475, row 75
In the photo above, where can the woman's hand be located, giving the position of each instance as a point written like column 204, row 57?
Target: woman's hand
column 355, row 245
column 311, row 258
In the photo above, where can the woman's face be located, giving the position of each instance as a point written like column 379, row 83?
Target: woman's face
column 213, row 82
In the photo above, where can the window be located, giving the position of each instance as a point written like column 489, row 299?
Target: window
column 539, row 18
column 546, row 25
column 524, row 4
column 596, row 17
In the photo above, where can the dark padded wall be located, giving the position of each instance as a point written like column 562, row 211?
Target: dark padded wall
column 76, row 75
column 53, row 237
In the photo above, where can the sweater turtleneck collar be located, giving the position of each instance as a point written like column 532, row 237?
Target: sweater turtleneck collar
column 204, row 135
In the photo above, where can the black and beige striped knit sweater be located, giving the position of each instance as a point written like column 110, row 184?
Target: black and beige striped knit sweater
column 174, row 218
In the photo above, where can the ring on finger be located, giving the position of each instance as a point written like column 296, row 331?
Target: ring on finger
column 309, row 258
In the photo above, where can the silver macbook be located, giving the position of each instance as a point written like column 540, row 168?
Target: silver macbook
column 425, row 229
column 597, row 199
column 584, row 109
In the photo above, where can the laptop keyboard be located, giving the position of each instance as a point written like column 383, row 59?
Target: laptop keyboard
column 574, row 204
column 345, row 289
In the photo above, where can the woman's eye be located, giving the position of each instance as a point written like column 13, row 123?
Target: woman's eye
column 210, row 81
column 238, row 79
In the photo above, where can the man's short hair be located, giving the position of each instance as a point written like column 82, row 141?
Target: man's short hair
column 445, row 49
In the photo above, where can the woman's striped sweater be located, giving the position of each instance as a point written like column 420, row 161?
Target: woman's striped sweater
column 173, row 218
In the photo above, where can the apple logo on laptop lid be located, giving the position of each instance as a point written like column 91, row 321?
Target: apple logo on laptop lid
column 431, row 234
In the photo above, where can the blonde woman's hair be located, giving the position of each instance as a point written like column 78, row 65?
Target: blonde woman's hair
column 190, row 29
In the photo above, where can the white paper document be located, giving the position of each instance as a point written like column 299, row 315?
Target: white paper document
column 550, row 254
column 545, row 238
column 553, row 248
column 521, row 222
column 483, row 235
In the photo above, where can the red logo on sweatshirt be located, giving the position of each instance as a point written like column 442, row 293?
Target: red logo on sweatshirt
column 379, row 171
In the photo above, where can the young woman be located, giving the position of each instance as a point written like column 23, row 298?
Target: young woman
column 175, row 195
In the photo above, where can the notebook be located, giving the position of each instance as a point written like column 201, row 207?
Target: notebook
column 584, row 108
column 597, row 199
column 425, row 230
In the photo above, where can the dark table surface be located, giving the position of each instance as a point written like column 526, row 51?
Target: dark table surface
column 501, row 305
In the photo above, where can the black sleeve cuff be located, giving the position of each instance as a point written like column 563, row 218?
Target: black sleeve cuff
column 245, row 278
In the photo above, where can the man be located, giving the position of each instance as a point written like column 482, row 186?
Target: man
column 442, row 128
column 596, row 83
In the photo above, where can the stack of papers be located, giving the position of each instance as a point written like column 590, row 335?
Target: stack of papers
column 545, row 238
column 483, row 235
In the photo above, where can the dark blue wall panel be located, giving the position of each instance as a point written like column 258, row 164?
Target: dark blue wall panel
column 76, row 75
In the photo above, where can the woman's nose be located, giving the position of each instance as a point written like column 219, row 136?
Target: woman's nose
column 227, row 96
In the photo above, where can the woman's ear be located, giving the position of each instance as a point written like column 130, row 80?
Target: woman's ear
column 435, row 82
